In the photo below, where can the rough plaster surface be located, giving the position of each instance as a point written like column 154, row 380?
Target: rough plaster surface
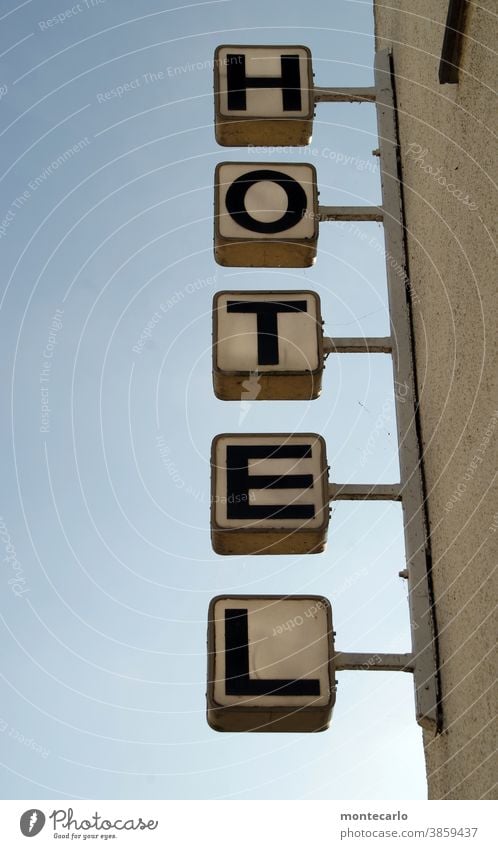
column 453, row 272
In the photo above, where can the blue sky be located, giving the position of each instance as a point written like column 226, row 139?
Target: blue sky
column 105, row 495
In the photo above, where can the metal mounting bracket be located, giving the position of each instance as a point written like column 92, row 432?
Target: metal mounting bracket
column 360, row 345
column 343, row 95
column 418, row 555
column 350, row 213
column 365, row 492
column 423, row 660
column 366, row 662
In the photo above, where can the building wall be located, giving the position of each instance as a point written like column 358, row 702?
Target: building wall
column 448, row 169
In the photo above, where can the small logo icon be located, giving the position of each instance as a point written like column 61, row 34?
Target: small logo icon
column 252, row 388
column 32, row 822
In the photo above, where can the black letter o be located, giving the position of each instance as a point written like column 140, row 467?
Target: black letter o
column 296, row 201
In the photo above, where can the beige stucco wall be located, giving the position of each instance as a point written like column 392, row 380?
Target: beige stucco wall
column 453, row 271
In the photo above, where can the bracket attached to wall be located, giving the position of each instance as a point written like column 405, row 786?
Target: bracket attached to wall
column 423, row 660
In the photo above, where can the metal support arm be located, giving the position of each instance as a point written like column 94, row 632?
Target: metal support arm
column 364, row 492
column 343, row 95
column 360, row 345
column 417, row 542
column 350, row 213
column 374, row 662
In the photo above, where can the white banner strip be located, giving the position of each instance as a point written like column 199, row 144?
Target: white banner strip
column 243, row 824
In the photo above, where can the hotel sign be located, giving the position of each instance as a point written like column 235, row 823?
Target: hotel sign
column 266, row 214
column 267, row 345
column 270, row 663
column 263, row 95
column 269, row 494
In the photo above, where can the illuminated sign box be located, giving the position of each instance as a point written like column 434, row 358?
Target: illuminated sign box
column 263, row 95
column 267, row 346
column 269, row 494
column 270, row 663
column 266, row 214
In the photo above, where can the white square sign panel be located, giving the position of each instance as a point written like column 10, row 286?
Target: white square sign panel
column 269, row 494
column 266, row 214
column 270, row 663
column 263, row 95
column 267, row 345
